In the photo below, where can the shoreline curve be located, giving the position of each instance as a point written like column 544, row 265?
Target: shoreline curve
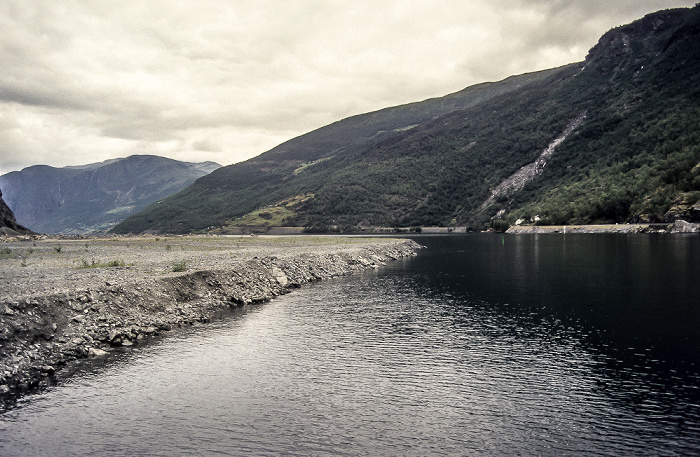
column 41, row 334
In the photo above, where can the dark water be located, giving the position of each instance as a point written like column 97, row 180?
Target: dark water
column 482, row 345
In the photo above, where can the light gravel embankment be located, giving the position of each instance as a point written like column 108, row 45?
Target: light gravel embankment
column 675, row 227
column 66, row 299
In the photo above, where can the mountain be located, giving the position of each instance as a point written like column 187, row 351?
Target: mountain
column 238, row 189
column 94, row 197
column 614, row 138
column 8, row 223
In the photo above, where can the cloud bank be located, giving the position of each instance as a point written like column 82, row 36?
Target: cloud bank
column 85, row 81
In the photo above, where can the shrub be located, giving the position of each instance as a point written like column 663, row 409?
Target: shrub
column 94, row 264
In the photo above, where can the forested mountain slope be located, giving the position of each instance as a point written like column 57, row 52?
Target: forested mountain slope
column 634, row 154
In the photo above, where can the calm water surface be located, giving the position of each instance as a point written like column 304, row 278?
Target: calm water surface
column 482, row 345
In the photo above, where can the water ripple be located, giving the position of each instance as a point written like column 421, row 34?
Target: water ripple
column 379, row 364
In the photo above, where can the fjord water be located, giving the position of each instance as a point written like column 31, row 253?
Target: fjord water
column 481, row 345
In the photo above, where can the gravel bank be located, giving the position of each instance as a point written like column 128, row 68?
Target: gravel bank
column 675, row 227
column 66, row 299
column 617, row 228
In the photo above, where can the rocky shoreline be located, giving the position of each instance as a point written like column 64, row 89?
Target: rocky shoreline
column 676, row 227
column 41, row 333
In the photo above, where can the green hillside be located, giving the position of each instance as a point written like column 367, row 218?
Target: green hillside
column 633, row 157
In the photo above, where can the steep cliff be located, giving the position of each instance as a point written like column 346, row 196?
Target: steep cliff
column 8, row 224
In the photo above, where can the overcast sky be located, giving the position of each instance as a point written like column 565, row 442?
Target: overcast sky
column 225, row 80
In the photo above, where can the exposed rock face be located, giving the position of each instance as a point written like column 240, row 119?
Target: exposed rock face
column 685, row 227
column 684, row 209
column 517, row 181
column 8, row 224
column 614, row 51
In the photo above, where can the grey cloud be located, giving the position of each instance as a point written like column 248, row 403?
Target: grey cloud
column 32, row 93
column 206, row 145
column 235, row 78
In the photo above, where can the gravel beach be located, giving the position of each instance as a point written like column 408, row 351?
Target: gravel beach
column 45, row 265
column 64, row 299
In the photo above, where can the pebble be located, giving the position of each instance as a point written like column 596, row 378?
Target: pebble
column 192, row 297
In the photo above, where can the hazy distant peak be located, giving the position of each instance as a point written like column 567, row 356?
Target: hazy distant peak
column 93, row 197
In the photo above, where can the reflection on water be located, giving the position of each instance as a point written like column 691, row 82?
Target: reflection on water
column 640, row 290
column 483, row 345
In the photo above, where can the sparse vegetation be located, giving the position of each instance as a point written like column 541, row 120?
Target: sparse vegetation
column 115, row 260
column 276, row 215
column 95, row 264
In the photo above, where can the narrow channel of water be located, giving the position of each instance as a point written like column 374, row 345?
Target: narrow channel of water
column 482, row 345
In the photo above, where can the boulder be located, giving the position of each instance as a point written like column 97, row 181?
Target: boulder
column 680, row 226
column 280, row 277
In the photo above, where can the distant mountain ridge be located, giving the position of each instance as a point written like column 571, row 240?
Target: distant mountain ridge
column 94, row 197
column 634, row 156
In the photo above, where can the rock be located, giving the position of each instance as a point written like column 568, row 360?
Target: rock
column 8, row 223
column 96, row 352
column 685, row 208
column 681, row 226
column 116, row 337
column 280, row 277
